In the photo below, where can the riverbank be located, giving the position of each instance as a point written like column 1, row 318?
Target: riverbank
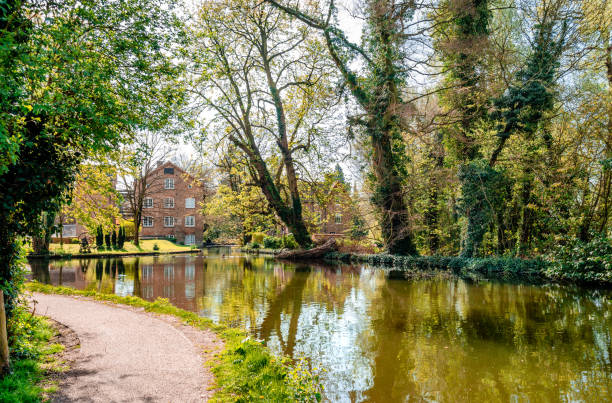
column 148, row 247
column 244, row 370
column 593, row 270
column 494, row 267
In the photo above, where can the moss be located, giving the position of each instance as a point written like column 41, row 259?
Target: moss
column 245, row 370
column 33, row 359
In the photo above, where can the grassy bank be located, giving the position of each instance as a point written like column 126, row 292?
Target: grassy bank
column 146, row 246
column 245, row 371
column 33, row 360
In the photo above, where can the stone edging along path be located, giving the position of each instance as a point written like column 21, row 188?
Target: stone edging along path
column 127, row 354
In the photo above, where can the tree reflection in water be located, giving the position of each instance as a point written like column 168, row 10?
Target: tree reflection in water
column 384, row 339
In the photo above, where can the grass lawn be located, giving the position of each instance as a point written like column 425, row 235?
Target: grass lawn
column 145, row 246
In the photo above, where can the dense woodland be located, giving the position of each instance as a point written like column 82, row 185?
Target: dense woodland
column 478, row 127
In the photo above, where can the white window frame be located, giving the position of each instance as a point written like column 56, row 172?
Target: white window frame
column 168, row 219
column 338, row 218
column 145, row 222
column 169, row 202
column 69, row 230
column 189, row 221
column 147, row 271
column 169, row 183
column 148, row 202
column 168, row 272
column 189, row 272
column 190, row 202
column 193, row 237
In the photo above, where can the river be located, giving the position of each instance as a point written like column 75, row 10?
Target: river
column 380, row 339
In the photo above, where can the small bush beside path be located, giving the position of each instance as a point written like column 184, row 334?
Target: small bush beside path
column 35, row 359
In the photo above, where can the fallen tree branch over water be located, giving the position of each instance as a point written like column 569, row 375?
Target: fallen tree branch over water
column 314, row 253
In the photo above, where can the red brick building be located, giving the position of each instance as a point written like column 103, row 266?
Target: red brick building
column 172, row 208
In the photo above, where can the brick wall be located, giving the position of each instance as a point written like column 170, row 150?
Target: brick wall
column 185, row 187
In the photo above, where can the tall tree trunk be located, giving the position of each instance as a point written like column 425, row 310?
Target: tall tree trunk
column 5, row 364
column 432, row 211
column 40, row 242
column 137, row 221
column 9, row 258
column 431, row 217
column 389, row 198
column 294, row 220
column 527, row 213
column 385, row 134
column 608, row 174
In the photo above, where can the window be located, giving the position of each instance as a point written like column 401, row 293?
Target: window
column 169, row 202
column 190, row 239
column 69, row 230
column 190, row 203
column 147, row 221
column 189, row 186
column 168, row 221
column 189, row 222
column 147, row 272
column 148, row 202
column 169, row 272
column 169, row 171
column 169, row 183
column 338, row 218
column 189, row 272
column 189, row 291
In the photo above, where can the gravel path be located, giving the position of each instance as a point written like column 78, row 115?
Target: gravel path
column 128, row 355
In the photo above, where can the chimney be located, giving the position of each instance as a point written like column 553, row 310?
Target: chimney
column 159, row 163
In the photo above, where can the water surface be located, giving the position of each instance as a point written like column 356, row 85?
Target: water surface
column 382, row 339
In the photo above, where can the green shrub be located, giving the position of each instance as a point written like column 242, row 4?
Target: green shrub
column 358, row 228
column 254, row 245
column 155, row 246
column 257, row 237
column 272, row 242
column 121, row 237
column 289, row 242
column 31, row 357
column 99, row 237
column 582, row 261
column 75, row 241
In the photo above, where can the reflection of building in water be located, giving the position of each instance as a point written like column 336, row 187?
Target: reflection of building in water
column 69, row 274
column 171, row 277
column 174, row 278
